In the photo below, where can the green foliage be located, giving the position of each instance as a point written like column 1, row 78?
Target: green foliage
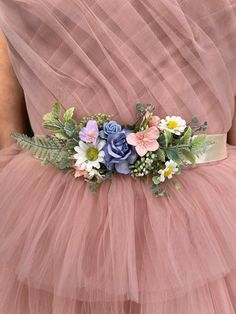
column 160, row 155
column 63, row 126
column 198, row 140
column 54, row 114
column 177, row 186
column 194, row 120
column 140, row 107
column 156, row 180
column 172, row 153
column 202, row 148
column 186, row 137
column 48, row 149
column 188, row 155
column 69, row 114
column 168, row 138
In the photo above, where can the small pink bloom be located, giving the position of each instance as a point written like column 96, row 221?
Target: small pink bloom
column 80, row 170
column 155, row 120
column 144, row 141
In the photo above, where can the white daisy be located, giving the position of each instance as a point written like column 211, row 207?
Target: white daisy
column 170, row 169
column 173, row 124
column 89, row 155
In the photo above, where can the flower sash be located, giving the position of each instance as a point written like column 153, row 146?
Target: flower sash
column 97, row 147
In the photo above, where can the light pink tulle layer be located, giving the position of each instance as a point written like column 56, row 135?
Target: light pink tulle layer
column 120, row 250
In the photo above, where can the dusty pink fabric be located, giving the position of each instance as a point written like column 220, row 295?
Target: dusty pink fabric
column 64, row 250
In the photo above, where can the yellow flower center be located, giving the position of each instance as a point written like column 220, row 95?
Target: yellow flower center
column 92, row 154
column 172, row 124
column 168, row 171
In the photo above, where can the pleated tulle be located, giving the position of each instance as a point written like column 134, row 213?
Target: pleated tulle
column 63, row 249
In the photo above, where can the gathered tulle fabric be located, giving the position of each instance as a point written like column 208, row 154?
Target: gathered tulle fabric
column 66, row 250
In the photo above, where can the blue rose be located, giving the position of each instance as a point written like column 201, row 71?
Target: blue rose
column 110, row 128
column 118, row 153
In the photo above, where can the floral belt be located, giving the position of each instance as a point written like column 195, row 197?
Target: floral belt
column 97, row 147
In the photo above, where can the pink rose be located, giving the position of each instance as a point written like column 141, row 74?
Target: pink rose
column 155, row 120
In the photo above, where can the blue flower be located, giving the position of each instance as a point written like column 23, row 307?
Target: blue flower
column 118, row 153
column 110, row 128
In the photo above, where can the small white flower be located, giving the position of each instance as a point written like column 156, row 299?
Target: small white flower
column 93, row 173
column 173, row 124
column 80, row 169
column 89, row 155
column 170, row 169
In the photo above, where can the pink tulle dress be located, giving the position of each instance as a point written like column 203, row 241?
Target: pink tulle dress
column 65, row 250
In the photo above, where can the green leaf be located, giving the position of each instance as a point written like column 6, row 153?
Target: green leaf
column 188, row 155
column 194, row 120
column 56, row 109
column 160, row 155
column 156, row 180
column 173, row 155
column 54, row 114
column 49, row 117
column 185, row 138
column 70, row 128
column 155, row 188
column 198, row 140
column 52, row 125
column 177, row 186
column 68, row 114
column 168, row 137
column 61, row 135
column 140, row 107
column 161, row 140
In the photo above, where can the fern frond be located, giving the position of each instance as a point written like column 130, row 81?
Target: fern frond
column 47, row 148
column 201, row 149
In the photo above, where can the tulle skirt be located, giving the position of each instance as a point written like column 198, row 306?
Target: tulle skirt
column 66, row 250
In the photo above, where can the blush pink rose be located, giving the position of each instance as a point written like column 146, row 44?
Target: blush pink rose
column 144, row 141
column 154, row 121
